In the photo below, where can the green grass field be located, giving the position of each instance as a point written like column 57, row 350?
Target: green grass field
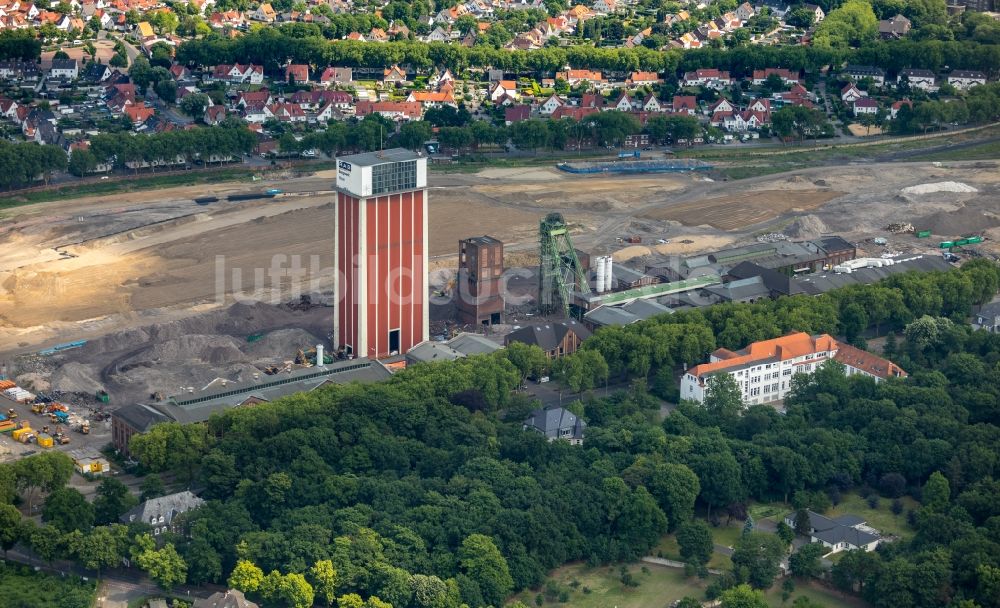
column 821, row 595
column 21, row 586
column 669, row 549
column 882, row 518
column 986, row 151
column 657, row 589
column 151, row 182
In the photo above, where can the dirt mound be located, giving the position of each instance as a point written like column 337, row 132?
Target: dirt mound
column 806, row 227
column 627, row 253
column 960, row 222
column 76, row 377
column 281, row 344
column 217, row 350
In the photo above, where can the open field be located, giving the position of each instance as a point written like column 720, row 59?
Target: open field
column 828, row 598
column 745, row 209
column 657, row 589
column 882, row 518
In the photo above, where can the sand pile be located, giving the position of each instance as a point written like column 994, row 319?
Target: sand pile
column 939, row 187
column 960, row 222
column 807, row 227
column 628, row 253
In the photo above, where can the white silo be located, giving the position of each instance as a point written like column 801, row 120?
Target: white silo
column 599, row 274
column 608, row 278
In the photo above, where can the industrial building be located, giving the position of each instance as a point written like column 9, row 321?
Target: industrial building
column 763, row 370
column 198, row 406
column 381, row 254
column 480, row 270
column 462, row 345
column 556, row 339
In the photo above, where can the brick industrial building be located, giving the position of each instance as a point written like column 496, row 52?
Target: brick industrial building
column 480, row 267
column 381, row 253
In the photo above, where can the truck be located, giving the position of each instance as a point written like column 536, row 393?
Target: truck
column 11, row 414
column 59, row 416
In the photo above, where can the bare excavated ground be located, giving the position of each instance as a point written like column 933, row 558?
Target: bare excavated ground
column 92, row 267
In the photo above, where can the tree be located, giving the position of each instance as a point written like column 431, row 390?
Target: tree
column 850, row 25
column 529, row 359
column 801, row 17
column 324, row 578
column 113, row 499
column 785, row 533
column 45, row 472
column 194, row 105
column 481, row 561
column 46, row 541
column 151, row 487
column 742, row 596
column 805, row 562
column 102, row 548
column 759, row 554
column 165, row 565
column 246, row 577
column 696, row 544
column 413, row 134
column 803, row 525
column 724, row 399
column 68, row 510
column 11, row 529
column 937, row 493
column 204, row 562
column 82, row 162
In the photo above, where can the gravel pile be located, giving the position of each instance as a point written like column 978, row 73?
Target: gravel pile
column 939, row 187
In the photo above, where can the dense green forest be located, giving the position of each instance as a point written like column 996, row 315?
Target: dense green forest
column 423, row 491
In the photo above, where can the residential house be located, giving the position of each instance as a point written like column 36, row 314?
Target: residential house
column 550, row 105
column 865, row 105
column 918, row 79
column 230, row 598
column 844, row 533
column 394, row 75
column 287, row 112
column 253, row 98
column 215, row 114
column 556, row 339
column 19, row 70
column 851, row 93
column 965, row 79
column 818, row 14
column 685, row 104
column 64, row 69
column 393, row 110
column 297, row 73
column 787, row 76
column 605, row 7
column 860, row 72
column 512, row 114
column 710, row 78
column 763, row 370
column 237, row 74
column 895, row 28
column 95, row 73
column 179, row 72
column 638, row 79
column 264, row 12
column 719, row 111
column 161, row 512
column 557, row 423
column 651, row 104
column 504, row 88
column 138, row 113
column 623, row 103
column 988, row 318
column 745, row 11
column 575, row 77
column 432, row 99
column 144, row 31
column 8, row 108
column 334, row 76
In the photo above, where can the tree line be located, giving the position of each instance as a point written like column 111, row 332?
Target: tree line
column 27, row 162
column 209, row 144
column 276, row 46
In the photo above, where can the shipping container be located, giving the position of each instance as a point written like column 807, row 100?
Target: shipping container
column 946, row 245
column 45, row 441
column 923, row 234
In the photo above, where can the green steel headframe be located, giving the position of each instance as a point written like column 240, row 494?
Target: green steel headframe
column 559, row 268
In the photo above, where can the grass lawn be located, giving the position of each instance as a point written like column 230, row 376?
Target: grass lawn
column 22, row 586
column 821, row 595
column 657, row 588
column 727, row 535
column 151, row 182
column 669, row 549
column 989, row 150
column 882, row 518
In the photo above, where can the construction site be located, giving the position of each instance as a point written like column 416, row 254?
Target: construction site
column 148, row 296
